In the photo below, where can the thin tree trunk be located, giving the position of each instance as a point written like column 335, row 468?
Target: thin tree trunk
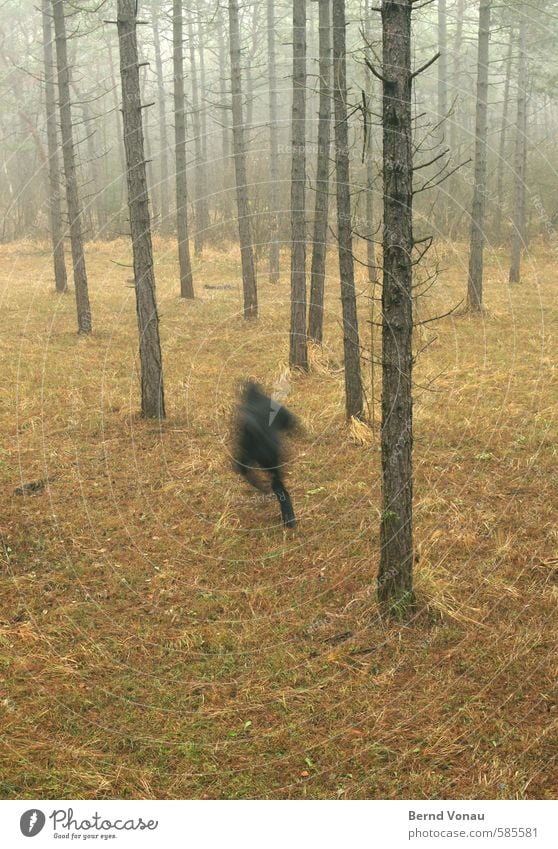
column 503, row 139
column 395, row 577
column 239, row 152
column 54, row 199
column 161, row 105
column 518, row 231
column 319, row 246
column 186, row 280
column 351, row 344
column 72, row 194
column 152, row 394
column 273, row 148
column 298, row 350
column 476, row 256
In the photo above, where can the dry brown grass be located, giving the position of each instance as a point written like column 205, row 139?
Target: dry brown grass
column 161, row 636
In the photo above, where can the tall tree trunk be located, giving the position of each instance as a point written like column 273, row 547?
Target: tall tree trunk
column 503, row 139
column 186, row 279
column 518, row 231
column 395, row 577
column 351, row 344
column 476, row 256
column 298, row 351
column 152, row 394
column 54, row 199
column 273, row 148
column 239, row 152
column 319, row 246
column 72, row 194
column 161, row 105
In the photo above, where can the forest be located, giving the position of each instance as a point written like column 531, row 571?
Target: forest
column 311, row 238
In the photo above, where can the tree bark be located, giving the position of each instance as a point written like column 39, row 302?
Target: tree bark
column 518, row 231
column 273, row 148
column 70, row 173
column 476, row 255
column 319, row 245
column 54, row 199
column 152, row 393
column 239, row 152
column 351, row 343
column 395, row 577
column 162, row 110
column 298, row 353
column 185, row 266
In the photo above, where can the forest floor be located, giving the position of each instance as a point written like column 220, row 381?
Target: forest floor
column 162, row 636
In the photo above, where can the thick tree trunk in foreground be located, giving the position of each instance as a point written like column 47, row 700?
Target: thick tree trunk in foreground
column 298, row 353
column 518, row 232
column 54, row 199
column 395, row 577
column 152, row 394
column 476, row 256
column 273, row 148
column 319, row 247
column 239, row 152
column 351, row 344
column 70, row 171
column 185, row 266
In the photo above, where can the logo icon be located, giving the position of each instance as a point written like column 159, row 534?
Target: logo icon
column 32, row 822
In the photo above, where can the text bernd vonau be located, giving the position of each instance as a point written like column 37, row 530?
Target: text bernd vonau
column 445, row 815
